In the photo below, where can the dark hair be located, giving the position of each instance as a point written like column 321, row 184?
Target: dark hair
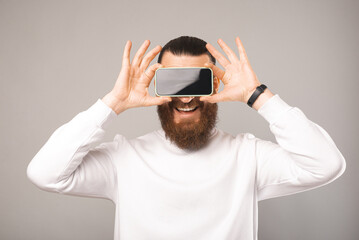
column 186, row 45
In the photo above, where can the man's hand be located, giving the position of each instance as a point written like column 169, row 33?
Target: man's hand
column 239, row 79
column 131, row 87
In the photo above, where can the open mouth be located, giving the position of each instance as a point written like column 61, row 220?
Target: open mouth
column 187, row 109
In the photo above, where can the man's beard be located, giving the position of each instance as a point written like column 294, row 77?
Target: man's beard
column 187, row 134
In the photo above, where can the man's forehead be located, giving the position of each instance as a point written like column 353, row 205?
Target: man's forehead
column 171, row 60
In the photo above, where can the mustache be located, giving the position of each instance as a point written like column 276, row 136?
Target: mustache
column 176, row 103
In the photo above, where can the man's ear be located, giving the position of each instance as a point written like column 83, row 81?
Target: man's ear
column 216, row 83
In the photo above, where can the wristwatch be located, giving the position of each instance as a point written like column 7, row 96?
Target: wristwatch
column 259, row 90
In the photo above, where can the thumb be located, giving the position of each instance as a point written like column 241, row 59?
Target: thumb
column 218, row 97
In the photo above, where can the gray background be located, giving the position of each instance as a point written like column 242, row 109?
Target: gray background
column 58, row 57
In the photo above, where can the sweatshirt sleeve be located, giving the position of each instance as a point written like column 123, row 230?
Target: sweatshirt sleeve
column 305, row 157
column 71, row 163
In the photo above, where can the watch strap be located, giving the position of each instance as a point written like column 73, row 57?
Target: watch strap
column 259, row 90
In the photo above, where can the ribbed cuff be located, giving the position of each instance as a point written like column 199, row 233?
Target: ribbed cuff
column 273, row 108
column 102, row 114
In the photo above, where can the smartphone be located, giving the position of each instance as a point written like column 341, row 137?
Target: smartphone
column 183, row 81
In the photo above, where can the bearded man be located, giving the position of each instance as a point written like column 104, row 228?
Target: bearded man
column 188, row 180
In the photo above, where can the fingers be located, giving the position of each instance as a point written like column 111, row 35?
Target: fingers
column 217, row 55
column 217, row 72
column 126, row 54
column 139, row 54
column 231, row 55
column 242, row 52
column 149, row 57
column 150, row 72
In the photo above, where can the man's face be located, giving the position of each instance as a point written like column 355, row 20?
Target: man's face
column 187, row 121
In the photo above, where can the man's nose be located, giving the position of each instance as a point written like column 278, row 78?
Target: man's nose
column 185, row 99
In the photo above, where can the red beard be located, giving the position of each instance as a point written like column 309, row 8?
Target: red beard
column 188, row 134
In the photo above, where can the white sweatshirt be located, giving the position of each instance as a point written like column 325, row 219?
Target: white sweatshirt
column 162, row 192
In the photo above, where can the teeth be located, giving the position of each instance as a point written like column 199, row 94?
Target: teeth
column 186, row 109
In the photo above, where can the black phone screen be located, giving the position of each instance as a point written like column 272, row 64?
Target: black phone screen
column 183, row 81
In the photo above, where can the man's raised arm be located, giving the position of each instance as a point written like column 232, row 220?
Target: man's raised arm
column 305, row 156
column 70, row 162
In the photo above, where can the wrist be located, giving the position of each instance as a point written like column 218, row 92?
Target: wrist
column 114, row 103
column 249, row 94
column 263, row 98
